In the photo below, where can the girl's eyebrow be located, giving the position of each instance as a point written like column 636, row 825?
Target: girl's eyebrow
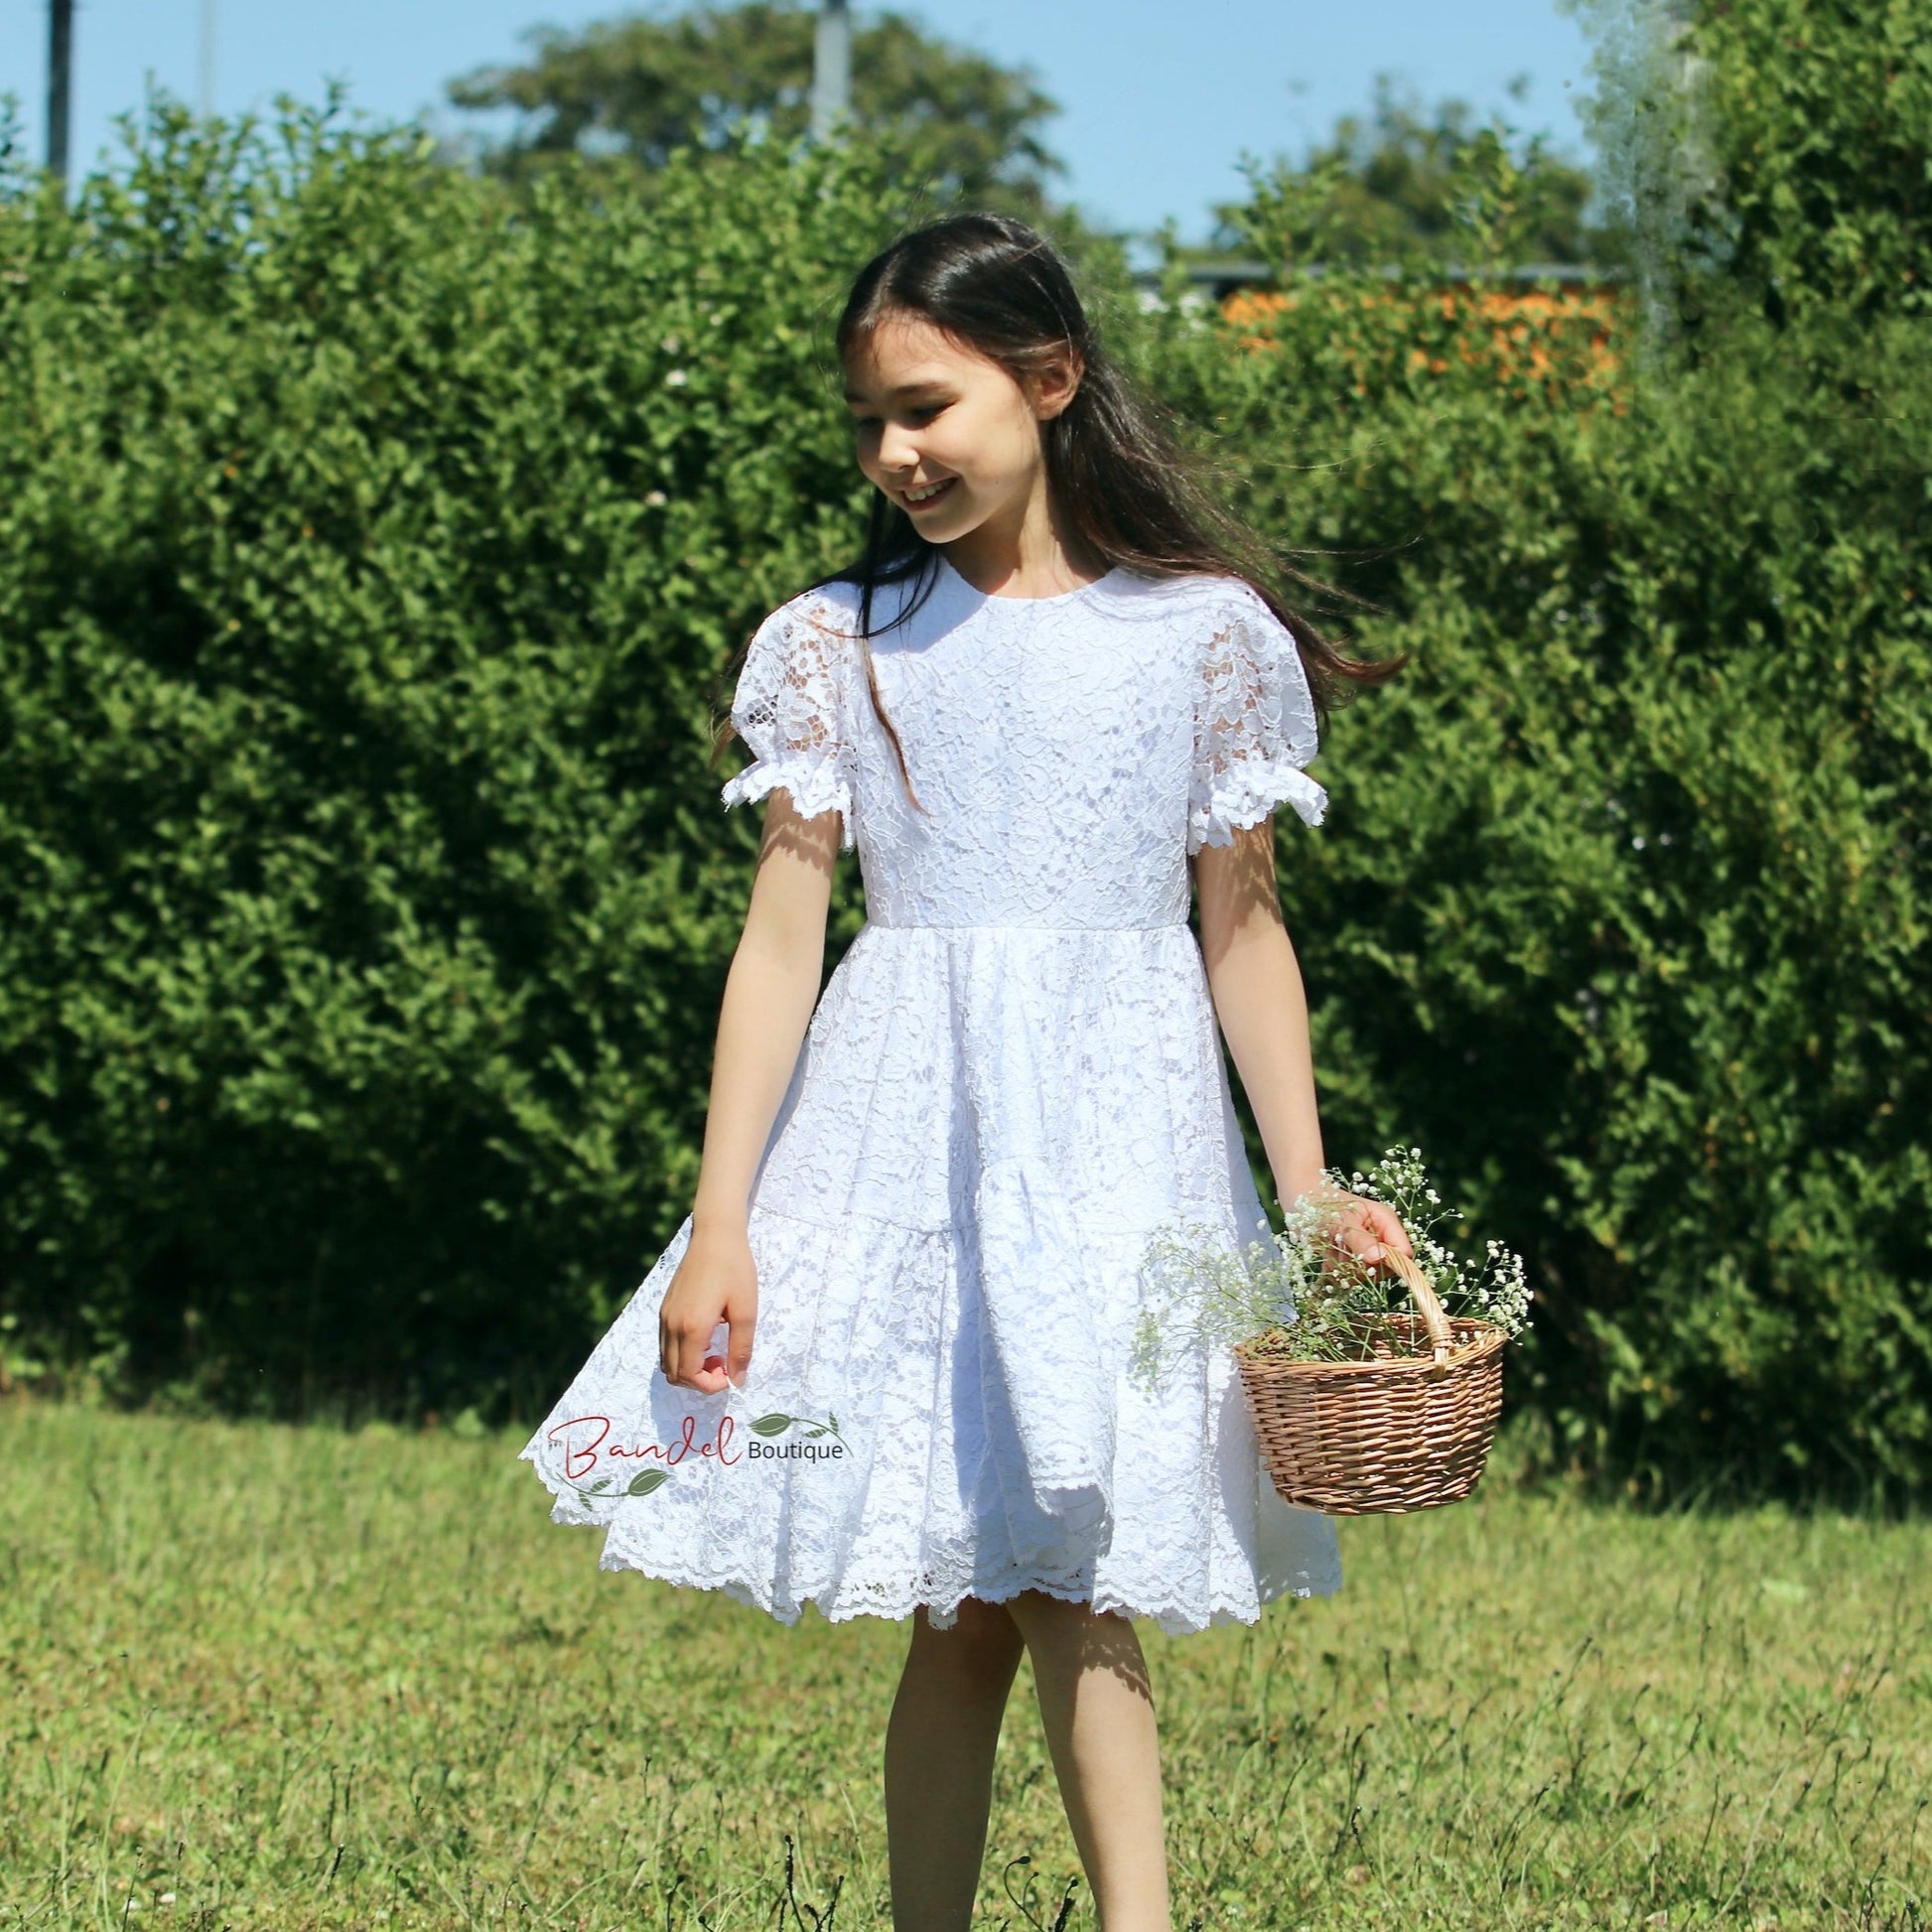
column 927, row 388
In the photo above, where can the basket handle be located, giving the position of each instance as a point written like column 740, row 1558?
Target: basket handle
column 1440, row 1337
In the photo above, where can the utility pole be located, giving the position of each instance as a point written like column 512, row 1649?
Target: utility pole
column 207, row 59
column 60, row 84
column 831, row 68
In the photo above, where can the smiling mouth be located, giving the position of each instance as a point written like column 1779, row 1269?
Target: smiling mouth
column 930, row 494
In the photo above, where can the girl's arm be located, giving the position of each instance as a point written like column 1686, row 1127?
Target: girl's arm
column 1256, row 986
column 769, row 994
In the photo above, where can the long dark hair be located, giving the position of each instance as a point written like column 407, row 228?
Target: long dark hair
column 1118, row 474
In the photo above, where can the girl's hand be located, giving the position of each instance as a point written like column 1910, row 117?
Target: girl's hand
column 717, row 1281
column 1366, row 1229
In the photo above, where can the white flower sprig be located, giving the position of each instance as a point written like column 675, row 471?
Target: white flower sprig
column 1307, row 1294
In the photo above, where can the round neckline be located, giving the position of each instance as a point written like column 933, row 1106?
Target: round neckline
column 1022, row 603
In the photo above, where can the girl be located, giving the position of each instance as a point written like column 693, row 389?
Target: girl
column 1055, row 675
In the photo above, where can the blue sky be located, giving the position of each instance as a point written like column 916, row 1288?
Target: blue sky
column 1160, row 98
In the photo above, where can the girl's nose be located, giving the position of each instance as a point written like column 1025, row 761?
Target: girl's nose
column 897, row 450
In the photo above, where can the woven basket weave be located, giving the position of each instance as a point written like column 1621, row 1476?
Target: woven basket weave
column 1396, row 1432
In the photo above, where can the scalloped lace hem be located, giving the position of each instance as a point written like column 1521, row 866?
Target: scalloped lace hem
column 1246, row 796
column 814, row 783
column 1174, row 1617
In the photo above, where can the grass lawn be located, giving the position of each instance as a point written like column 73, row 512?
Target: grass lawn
column 260, row 1676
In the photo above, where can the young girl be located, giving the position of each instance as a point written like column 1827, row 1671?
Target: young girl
column 887, row 1373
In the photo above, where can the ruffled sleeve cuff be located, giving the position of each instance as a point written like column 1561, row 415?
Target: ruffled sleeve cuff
column 1245, row 794
column 812, row 780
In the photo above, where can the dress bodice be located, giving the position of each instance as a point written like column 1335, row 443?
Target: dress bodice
column 1068, row 754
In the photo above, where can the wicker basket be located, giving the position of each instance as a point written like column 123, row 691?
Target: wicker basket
column 1396, row 1432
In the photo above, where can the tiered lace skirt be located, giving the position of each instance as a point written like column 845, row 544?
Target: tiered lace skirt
column 985, row 1126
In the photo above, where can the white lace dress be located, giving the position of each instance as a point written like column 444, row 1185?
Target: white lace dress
column 1011, row 1079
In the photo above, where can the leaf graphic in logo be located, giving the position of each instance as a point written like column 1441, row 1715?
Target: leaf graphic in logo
column 602, row 1482
column 775, row 1424
column 645, row 1481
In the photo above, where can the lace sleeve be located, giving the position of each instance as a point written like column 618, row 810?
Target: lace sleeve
column 1254, row 727
column 789, row 709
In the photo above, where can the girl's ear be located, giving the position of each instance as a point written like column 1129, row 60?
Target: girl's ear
column 1056, row 382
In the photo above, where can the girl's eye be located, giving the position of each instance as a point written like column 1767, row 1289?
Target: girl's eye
column 917, row 417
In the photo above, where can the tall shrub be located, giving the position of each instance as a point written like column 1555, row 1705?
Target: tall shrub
column 1625, row 910
column 369, row 544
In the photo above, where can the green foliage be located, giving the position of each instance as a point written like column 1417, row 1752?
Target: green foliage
column 1395, row 187
column 369, row 546
column 1787, row 141
column 371, row 540
column 1823, row 141
column 1624, row 908
column 643, row 87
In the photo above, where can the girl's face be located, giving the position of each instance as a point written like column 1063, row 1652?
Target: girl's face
column 946, row 432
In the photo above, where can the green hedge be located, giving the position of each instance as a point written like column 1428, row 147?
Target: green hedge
column 1627, row 909
column 370, row 543
column 1621, row 913
column 1819, row 124
column 369, row 546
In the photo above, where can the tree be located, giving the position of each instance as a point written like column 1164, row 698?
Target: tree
column 1785, row 144
column 643, row 86
column 1395, row 185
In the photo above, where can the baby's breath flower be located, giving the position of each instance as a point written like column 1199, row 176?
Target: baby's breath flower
column 1307, row 1294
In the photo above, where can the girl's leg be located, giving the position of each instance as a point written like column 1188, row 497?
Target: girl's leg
column 1097, row 1704
column 939, row 1746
